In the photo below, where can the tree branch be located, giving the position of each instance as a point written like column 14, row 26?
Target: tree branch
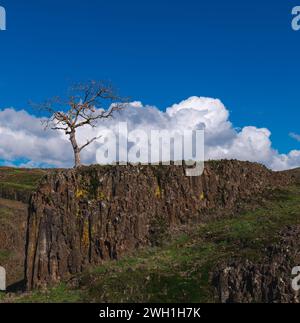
column 89, row 142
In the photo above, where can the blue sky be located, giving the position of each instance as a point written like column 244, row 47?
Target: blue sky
column 160, row 52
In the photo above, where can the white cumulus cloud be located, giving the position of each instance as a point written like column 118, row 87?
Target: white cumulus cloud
column 22, row 136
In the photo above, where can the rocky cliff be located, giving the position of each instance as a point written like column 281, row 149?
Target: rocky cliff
column 81, row 217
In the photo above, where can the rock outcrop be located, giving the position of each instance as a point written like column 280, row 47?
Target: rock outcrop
column 266, row 282
column 81, row 217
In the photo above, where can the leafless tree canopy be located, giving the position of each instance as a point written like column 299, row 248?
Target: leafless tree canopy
column 83, row 107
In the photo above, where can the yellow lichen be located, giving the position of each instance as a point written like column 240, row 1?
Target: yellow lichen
column 93, row 231
column 158, row 192
column 81, row 193
column 101, row 196
column 202, row 196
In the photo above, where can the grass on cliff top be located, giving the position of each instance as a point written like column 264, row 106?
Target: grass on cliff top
column 18, row 178
column 179, row 270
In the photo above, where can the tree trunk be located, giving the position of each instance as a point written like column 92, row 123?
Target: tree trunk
column 75, row 149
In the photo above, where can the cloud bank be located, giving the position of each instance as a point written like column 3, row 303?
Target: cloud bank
column 22, row 137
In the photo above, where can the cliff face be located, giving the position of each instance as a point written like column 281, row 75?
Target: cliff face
column 82, row 217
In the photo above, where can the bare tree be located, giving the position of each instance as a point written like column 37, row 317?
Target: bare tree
column 84, row 107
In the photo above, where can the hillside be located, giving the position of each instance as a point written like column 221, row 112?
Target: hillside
column 250, row 235
column 16, row 186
